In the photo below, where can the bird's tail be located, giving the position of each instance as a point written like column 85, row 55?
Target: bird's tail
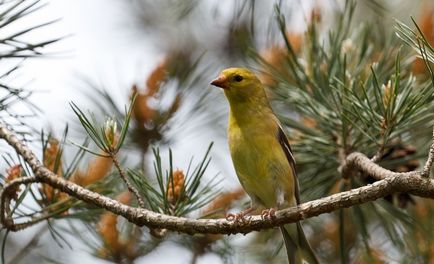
column 297, row 246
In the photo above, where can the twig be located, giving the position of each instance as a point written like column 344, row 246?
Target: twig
column 27, row 248
column 127, row 182
column 426, row 169
column 379, row 154
column 376, row 158
column 391, row 182
column 9, row 191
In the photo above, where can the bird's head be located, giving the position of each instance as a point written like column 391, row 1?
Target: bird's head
column 240, row 85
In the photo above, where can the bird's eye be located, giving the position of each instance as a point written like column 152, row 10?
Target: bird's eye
column 238, row 78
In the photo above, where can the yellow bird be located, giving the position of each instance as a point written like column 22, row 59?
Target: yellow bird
column 262, row 156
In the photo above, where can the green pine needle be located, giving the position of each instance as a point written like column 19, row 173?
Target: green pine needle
column 193, row 195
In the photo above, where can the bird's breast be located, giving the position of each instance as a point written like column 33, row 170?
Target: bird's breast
column 259, row 160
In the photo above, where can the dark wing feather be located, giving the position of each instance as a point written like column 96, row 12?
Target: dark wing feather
column 288, row 152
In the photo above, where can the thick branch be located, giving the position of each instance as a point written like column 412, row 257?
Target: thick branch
column 391, row 182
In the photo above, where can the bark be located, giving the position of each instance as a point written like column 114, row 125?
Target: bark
column 388, row 182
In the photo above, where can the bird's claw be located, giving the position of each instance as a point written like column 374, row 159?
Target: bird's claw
column 268, row 213
column 240, row 217
column 235, row 217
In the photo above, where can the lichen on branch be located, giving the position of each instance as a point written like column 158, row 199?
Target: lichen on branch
column 390, row 182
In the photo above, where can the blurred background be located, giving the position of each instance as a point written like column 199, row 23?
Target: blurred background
column 98, row 53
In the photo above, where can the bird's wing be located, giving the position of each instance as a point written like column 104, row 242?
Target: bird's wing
column 288, row 153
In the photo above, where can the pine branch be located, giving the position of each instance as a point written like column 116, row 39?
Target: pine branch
column 430, row 160
column 127, row 182
column 29, row 246
column 391, row 182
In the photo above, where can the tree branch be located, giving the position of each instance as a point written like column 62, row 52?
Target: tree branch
column 390, row 182
column 430, row 160
column 26, row 250
column 124, row 177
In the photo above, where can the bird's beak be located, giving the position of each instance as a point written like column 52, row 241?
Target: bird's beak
column 221, row 82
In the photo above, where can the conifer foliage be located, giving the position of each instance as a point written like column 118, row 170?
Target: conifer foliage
column 339, row 85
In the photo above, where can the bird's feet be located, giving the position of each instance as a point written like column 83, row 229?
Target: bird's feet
column 240, row 217
column 268, row 213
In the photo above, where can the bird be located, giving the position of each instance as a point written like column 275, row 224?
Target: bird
column 262, row 157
